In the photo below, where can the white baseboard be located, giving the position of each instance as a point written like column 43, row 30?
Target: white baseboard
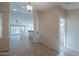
column 71, row 51
column 2, row 50
column 3, row 53
column 46, row 44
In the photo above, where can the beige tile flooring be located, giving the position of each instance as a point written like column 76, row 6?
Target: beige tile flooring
column 25, row 47
column 37, row 49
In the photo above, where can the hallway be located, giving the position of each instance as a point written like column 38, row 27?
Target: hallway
column 25, row 47
column 54, row 31
column 20, row 46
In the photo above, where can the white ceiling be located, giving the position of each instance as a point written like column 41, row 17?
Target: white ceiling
column 66, row 5
column 70, row 5
column 41, row 6
column 18, row 9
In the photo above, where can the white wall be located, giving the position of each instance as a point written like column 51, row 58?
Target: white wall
column 62, row 28
column 35, row 21
column 72, row 41
column 49, row 23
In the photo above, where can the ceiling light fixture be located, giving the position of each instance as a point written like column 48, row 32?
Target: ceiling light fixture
column 29, row 7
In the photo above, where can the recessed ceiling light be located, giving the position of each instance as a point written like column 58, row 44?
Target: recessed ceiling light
column 15, row 9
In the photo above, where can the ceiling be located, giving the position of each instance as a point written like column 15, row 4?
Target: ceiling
column 66, row 5
column 18, row 9
column 41, row 6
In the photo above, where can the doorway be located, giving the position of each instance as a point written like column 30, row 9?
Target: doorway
column 18, row 34
column 16, row 31
column 20, row 24
column 62, row 35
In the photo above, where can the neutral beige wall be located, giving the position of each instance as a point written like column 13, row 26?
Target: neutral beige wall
column 5, row 25
column 49, row 21
column 73, row 30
